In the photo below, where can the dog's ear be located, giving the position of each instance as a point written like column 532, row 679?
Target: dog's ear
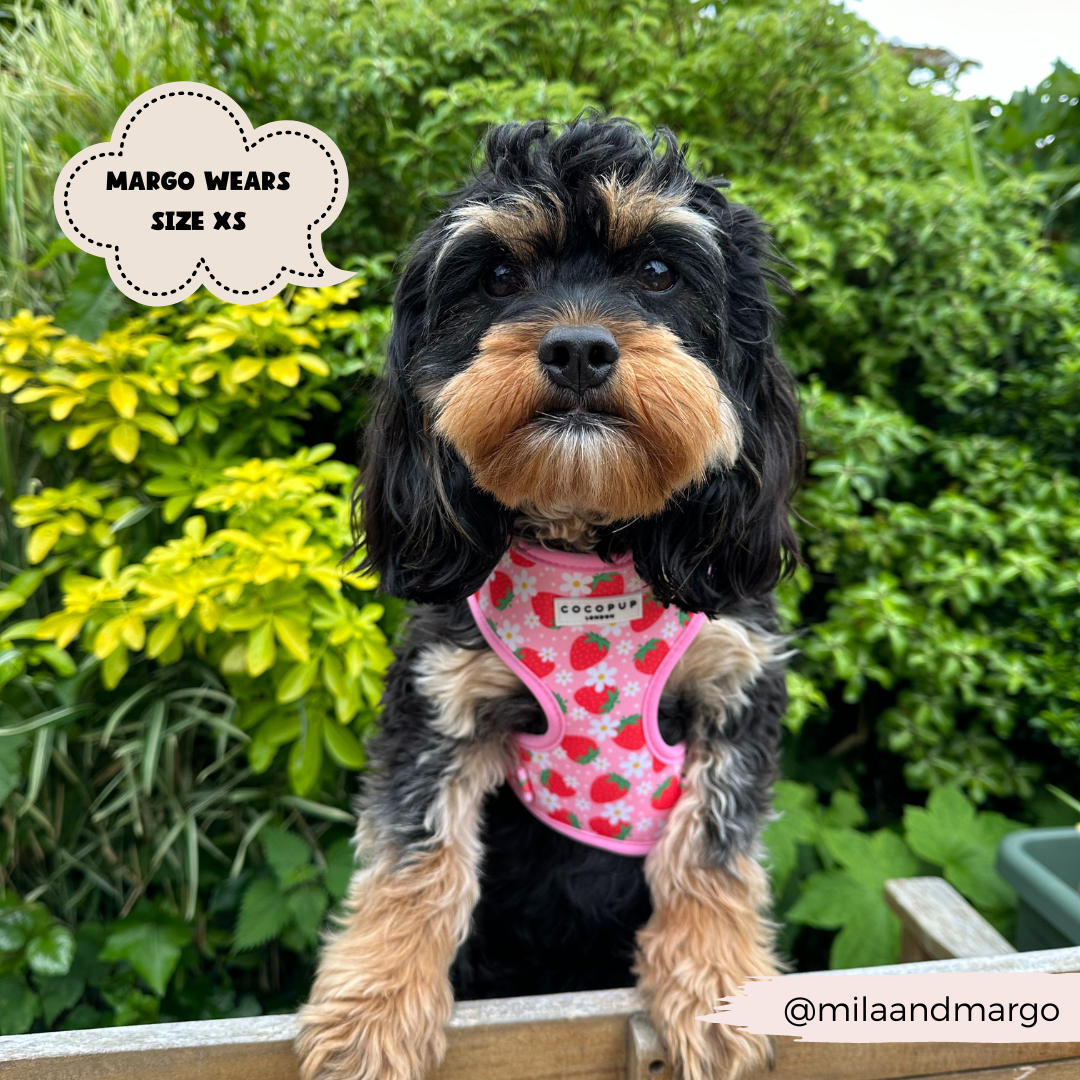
column 428, row 531
column 729, row 538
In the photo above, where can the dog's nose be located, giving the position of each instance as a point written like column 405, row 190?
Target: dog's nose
column 578, row 358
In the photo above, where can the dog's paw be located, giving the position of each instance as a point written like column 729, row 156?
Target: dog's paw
column 375, row 1038
column 702, row 1051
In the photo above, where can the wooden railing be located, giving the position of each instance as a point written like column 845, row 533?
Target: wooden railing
column 600, row 1035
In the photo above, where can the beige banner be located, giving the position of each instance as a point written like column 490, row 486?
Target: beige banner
column 992, row 1007
column 188, row 193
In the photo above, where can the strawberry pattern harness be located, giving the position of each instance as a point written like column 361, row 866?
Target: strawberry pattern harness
column 594, row 647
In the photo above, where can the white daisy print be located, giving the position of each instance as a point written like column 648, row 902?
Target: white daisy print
column 548, row 800
column 564, row 678
column 636, row 765
column 576, row 584
column 542, row 759
column 603, row 727
column 624, row 648
column 510, row 633
column 645, row 824
column 618, row 812
column 559, row 754
column 525, row 584
column 612, row 629
column 631, row 689
column 532, row 620
column 601, row 676
column 669, row 631
column 582, row 804
column 578, row 713
column 548, row 653
column 634, row 584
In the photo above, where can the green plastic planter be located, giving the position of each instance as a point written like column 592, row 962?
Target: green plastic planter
column 1043, row 866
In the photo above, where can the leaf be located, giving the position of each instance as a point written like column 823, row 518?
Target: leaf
column 155, row 724
column 92, row 300
column 18, row 1006
column 343, row 746
column 288, row 855
column 340, row 867
column 42, row 540
column 305, row 759
column 307, row 906
column 16, row 925
column 58, row 994
column 124, row 398
column 152, row 948
column 297, row 681
column 51, row 953
column 261, row 651
column 124, row 442
column 263, row 914
column 293, row 637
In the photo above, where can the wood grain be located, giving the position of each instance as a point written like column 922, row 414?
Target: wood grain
column 939, row 923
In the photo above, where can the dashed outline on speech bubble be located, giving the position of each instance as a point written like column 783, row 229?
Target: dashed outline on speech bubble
column 102, row 220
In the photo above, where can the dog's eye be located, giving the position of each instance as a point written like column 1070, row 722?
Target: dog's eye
column 655, row 275
column 501, row 280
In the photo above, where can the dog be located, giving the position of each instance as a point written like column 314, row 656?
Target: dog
column 582, row 366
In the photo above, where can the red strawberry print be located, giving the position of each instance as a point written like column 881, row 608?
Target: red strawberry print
column 609, row 584
column 555, row 783
column 544, row 606
column 651, row 655
column 658, row 765
column 519, row 560
column 617, row 830
column 502, row 590
column 595, row 701
column 525, row 755
column 667, row 794
column 631, row 734
column 651, row 610
column 566, row 818
column 609, row 788
column 534, row 661
column 580, row 748
column 587, row 650
column 684, row 618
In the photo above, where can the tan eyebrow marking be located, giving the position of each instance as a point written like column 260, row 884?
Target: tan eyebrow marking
column 523, row 221
column 630, row 209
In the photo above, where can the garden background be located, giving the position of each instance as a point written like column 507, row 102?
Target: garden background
column 189, row 675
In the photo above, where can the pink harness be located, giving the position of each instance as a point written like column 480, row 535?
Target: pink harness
column 594, row 647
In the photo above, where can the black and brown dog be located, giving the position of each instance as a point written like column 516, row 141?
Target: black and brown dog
column 663, row 423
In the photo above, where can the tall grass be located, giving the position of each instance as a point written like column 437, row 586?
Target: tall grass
column 67, row 70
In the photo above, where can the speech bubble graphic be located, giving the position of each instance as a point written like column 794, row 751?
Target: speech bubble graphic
column 188, row 193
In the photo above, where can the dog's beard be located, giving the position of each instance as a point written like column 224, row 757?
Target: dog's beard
column 658, row 424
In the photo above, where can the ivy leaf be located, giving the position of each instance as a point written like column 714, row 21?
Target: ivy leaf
column 16, row 926
column 263, row 914
column 58, row 994
column 797, row 824
column 51, row 953
column 152, row 948
column 950, row 834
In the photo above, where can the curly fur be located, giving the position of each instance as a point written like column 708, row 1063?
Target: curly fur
column 685, row 455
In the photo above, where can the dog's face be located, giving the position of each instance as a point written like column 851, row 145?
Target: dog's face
column 585, row 332
column 573, row 356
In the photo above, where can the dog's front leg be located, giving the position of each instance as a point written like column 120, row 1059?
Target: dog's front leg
column 382, row 994
column 710, row 931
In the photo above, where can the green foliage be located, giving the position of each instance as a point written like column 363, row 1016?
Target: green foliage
column 829, row 875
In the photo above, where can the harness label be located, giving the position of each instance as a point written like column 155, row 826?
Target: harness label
column 583, row 610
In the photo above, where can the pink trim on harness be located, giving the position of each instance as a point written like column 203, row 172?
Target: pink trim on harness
column 586, row 637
